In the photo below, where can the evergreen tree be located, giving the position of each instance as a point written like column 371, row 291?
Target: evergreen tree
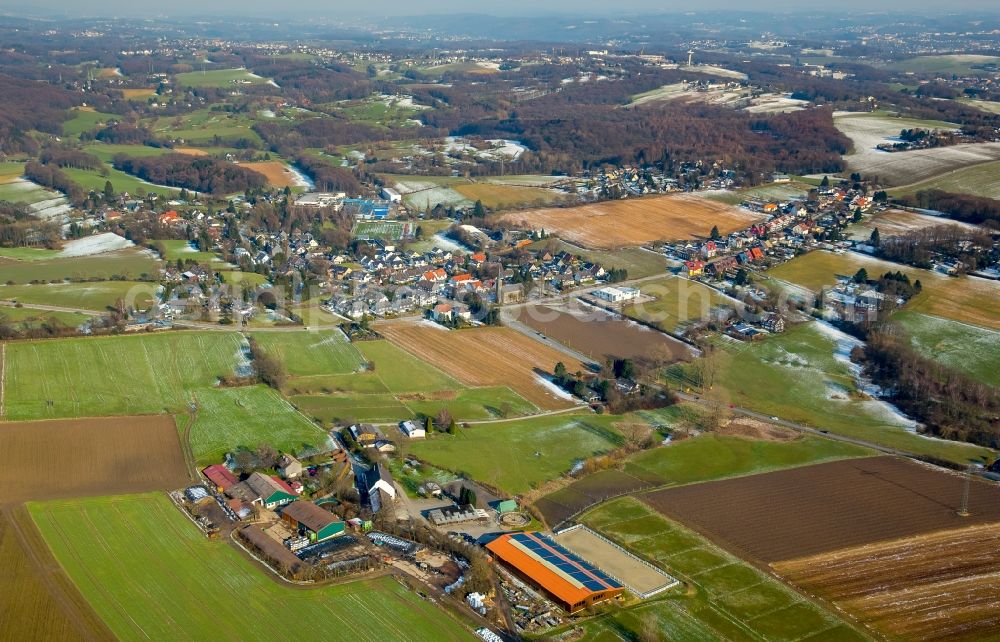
column 715, row 233
column 861, row 276
column 875, row 239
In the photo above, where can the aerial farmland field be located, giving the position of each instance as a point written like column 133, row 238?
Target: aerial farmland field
column 139, row 374
column 906, row 167
column 849, row 503
column 32, row 583
column 487, row 357
column 312, row 353
column 726, row 598
column 129, row 264
column 968, row 348
column 942, row 585
column 194, row 588
column 601, row 335
column 636, row 221
column 230, row 418
column 94, row 456
column 97, row 296
column 977, row 180
column 895, row 222
column 523, row 453
column 703, row 458
column 218, row 78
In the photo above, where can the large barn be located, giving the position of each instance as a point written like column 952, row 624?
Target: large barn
column 567, row 579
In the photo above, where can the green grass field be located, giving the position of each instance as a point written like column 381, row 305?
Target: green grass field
column 28, row 253
column 24, row 191
column 727, row 599
column 798, row 377
column 677, row 302
column 82, row 121
column 709, row 457
column 93, row 180
column 10, row 170
column 33, row 318
column 218, row 78
column 232, row 417
column 97, row 296
column 182, row 250
column 312, row 353
column 150, row 574
column 329, row 383
column 130, row 264
column 200, row 127
column 970, row 349
column 385, row 230
column 522, row 453
column 107, row 152
column 118, row 375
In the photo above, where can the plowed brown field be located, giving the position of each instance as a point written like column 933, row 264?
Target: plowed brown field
column 822, row 508
column 636, row 221
column 98, row 456
column 486, row 357
column 276, row 172
column 931, row 587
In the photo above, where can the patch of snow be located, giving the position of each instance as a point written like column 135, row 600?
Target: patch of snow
column 550, row 385
column 97, row 244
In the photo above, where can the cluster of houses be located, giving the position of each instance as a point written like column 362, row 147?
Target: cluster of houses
column 789, row 227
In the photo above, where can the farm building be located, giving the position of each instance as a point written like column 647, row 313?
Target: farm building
column 220, row 476
column 312, row 521
column 448, row 515
column 570, row 581
column 507, row 506
column 391, row 195
column 376, row 486
column 616, row 295
column 269, row 492
column 412, row 430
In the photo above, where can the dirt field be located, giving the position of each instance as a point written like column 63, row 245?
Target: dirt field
column 37, row 600
column 191, row 151
column 636, row 221
column 931, row 587
column 486, row 357
column 640, row 578
column 582, row 493
column 599, row 334
column 82, row 457
column 826, row 507
column 276, row 172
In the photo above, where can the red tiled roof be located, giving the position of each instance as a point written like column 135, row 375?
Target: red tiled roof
column 220, row 476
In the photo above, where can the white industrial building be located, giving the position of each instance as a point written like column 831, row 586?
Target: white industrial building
column 616, row 295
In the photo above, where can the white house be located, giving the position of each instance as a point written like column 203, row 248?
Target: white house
column 412, row 430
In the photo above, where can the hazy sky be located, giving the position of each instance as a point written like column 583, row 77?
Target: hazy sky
column 333, row 8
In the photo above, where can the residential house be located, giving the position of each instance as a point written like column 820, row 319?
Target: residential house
column 289, row 467
column 412, row 430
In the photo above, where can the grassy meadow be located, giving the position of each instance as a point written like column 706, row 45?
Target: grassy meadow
column 193, row 588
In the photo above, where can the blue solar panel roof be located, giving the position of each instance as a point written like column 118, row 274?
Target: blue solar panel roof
column 569, row 563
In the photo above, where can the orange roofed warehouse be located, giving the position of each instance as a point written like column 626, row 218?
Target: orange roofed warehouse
column 569, row 581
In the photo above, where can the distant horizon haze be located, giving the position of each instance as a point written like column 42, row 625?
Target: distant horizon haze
column 301, row 9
